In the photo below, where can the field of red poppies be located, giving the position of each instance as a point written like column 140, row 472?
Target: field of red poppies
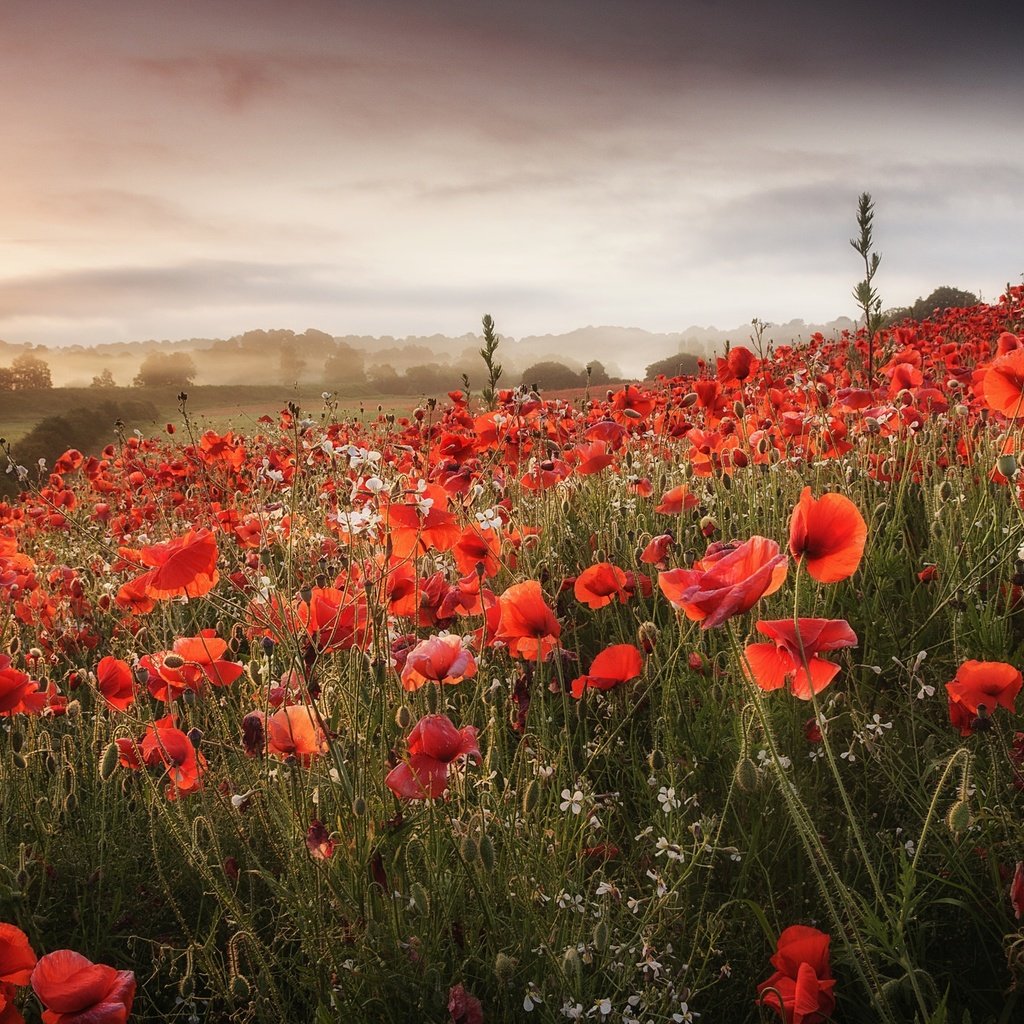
column 692, row 701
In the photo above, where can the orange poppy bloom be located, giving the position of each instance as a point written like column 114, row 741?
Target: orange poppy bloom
column 434, row 744
column 800, row 990
column 981, row 683
column 477, row 550
column 165, row 744
column 296, row 730
column 115, row 682
column 15, row 686
column 528, row 626
column 793, row 644
column 600, row 585
column 74, row 989
column 182, row 567
column 613, row 666
column 676, row 500
column 192, row 662
column 828, row 534
column 1003, row 384
column 730, row 579
column 441, row 659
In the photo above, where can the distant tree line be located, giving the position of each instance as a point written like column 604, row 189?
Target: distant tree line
column 944, row 297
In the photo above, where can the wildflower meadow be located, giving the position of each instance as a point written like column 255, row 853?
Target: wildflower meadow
column 690, row 701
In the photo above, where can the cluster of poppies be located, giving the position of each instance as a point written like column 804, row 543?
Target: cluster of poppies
column 71, row 988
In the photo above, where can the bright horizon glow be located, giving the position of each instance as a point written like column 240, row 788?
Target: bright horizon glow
column 402, row 169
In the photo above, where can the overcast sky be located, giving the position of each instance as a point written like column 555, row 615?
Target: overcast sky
column 203, row 167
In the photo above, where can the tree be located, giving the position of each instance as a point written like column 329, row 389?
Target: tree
column 104, row 379
column 344, row 366
column 682, row 364
column 6, row 378
column 171, row 370
column 596, row 373
column 552, row 374
column 31, row 373
column 943, row 297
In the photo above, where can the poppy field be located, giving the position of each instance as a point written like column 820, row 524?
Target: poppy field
column 695, row 700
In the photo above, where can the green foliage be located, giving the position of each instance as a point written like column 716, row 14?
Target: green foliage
column 104, row 379
column 551, row 375
column 490, row 391
column 943, row 297
column 26, row 373
column 166, row 370
column 680, row 364
column 865, row 293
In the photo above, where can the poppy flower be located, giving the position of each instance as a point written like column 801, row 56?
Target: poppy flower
column 1003, row 384
column 613, row 666
column 656, row 552
column 336, row 620
column 16, row 956
column 15, row 686
column 115, row 682
column 800, row 990
column 981, row 683
column 296, row 731
column 434, row 743
column 192, row 662
column 74, row 990
column 527, row 625
column 730, row 579
column 828, row 535
column 182, row 567
column 772, row 665
column 477, row 550
column 676, row 500
column 441, row 659
column 319, row 841
column 599, row 585
column 163, row 743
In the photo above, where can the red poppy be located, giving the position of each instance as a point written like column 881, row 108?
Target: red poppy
column 800, row 990
column 1003, row 384
column 165, row 744
column 319, row 841
column 477, row 551
column 441, row 659
column 613, row 666
column 676, row 500
column 828, row 535
column 336, row 620
column 192, row 662
column 981, row 684
column 182, row 567
column 1017, row 890
column 528, row 626
column 600, row 585
column 16, row 956
column 15, row 687
column 296, row 731
column 730, row 579
column 656, row 552
column 434, row 743
column 115, row 682
column 771, row 665
column 74, row 990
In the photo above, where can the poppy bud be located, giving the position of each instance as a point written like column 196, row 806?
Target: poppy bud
column 573, row 966
column 708, row 526
column 240, row 988
column 359, row 807
column 505, row 968
column 486, row 850
column 17, row 740
column 656, row 760
column 71, row 803
column 959, row 817
column 109, row 762
column 531, row 796
column 195, row 737
column 746, row 775
column 689, row 399
column 403, row 717
column 253, row 734
column 19, row 761
column 602, row 936
column 468, row 849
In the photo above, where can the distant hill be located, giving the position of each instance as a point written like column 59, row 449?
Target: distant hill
column 624, row 351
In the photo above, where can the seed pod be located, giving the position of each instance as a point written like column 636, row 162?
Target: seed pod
column 746, row 775
column 486, row 851
column 174, row 661
column 1007, row 466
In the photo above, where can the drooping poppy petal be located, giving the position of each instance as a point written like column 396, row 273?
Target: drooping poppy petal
column 615, row 665
column 527, row 624
column 74, row 990
column 183, row 567
column 599, row 585
column 116, row 683
column 16, row 956
column 1003, row 384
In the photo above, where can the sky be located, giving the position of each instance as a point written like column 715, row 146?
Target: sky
column 198, row 168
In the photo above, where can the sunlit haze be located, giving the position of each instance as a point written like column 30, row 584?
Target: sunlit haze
column 178, row 170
